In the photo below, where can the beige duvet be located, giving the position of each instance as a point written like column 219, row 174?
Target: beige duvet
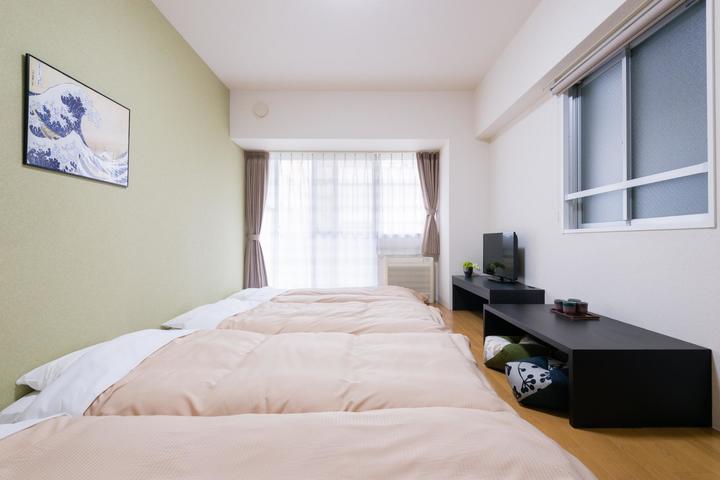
column 215, row 372
column 359, row 294
column 355, row 314
column 412, row 444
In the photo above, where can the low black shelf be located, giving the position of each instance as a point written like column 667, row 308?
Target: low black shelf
column 620, row 375
column 474, row 292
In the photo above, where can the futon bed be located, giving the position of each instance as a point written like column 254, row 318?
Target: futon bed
column 225, row 402
column 340, row 294
column 386, row 309
column 398, row 444
column 213, row 372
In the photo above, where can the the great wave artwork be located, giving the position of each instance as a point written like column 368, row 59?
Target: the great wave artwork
column 73, row 129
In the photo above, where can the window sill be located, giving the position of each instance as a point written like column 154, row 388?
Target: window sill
column 669, row 223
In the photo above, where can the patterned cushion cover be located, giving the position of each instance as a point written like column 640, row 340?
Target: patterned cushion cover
column 500, row 350
column 539, row 382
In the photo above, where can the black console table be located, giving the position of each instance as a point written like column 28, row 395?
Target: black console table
column 620, row 375
column 474, row 292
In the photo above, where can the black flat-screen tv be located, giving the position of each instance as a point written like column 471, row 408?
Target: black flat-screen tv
column 500, row 258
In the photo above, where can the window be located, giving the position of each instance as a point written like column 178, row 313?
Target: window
column 639, row 145
column 329, row 216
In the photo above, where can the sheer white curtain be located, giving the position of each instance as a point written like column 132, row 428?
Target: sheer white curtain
column 330, row 216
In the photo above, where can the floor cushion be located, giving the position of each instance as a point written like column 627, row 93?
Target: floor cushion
column 500, row 350
column 539, row 382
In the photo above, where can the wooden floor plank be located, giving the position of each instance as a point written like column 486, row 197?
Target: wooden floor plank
column 614, row 453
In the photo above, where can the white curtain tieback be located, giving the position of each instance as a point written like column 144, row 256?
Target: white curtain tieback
column 253, row 236
column 431, row 211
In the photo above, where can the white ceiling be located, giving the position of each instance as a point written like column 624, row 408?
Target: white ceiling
column 348, row 44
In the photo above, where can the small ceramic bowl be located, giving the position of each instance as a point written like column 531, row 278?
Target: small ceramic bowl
column 559, row 304
column 582, row 307
column 570, row 307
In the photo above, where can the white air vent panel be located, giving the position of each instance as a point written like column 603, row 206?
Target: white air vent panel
column 417, row 273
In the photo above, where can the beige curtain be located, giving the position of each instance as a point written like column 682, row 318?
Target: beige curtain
column 429, row 168
column 256, row 179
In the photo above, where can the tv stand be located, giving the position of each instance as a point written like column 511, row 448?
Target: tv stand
column 620, row 375
column 474, row 292
column 498, row 279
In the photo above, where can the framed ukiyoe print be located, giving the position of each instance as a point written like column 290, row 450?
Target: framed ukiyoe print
column 73, row 129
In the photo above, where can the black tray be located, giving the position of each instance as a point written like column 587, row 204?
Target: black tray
column 576, row 316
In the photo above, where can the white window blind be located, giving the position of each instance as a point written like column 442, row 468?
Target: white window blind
column 649, row 13
column 329, row 216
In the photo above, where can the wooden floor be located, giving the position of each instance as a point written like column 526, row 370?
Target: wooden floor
column 617, row 453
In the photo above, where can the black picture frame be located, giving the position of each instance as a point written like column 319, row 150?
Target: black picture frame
column 50, row 132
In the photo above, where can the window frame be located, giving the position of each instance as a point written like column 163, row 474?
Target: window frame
column 571, row 114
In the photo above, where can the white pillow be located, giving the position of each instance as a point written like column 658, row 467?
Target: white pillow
column 44, row 375
column 262, row 294
column 493, row 345
column 244, row 294
column 19, row 405
column 207, row 317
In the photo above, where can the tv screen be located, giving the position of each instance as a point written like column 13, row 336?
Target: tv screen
column 500, row 255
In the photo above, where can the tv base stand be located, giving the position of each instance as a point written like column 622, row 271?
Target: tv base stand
column 474, row 292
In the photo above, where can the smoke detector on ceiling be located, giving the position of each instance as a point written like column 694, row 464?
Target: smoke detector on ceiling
column 260, row 110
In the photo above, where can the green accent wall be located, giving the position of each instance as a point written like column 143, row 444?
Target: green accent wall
column 82, row 261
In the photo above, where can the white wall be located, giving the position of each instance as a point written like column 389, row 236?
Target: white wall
column 384, row 120
column 666, row 281
column 557, row 32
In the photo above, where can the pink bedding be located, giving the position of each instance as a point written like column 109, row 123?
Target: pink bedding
column 362, row 294
column 363, row 314
column 403, row 444
column 215, row 372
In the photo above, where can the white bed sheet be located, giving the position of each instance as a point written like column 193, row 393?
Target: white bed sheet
column 74, row 391
column 207, row 317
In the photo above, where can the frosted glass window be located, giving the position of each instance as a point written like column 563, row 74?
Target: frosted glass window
column 606, row 207
column 669, row 96
column 644, row 113
column 601, row 129
column 679, row 196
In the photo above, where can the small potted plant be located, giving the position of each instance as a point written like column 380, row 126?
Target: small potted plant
column 468, row 269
